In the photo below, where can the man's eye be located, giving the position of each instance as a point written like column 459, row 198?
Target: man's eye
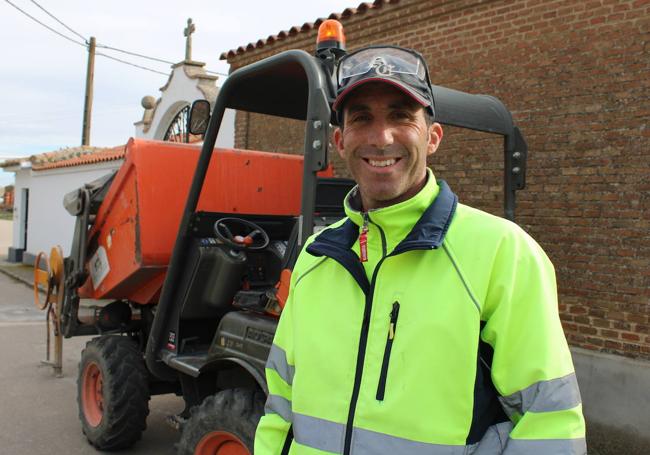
column 359, row 118
column 402, row 115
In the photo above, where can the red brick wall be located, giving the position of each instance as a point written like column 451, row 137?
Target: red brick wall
column 576, row 76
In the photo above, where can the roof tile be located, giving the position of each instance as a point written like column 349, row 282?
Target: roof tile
column 69, row 157
column 306, row 27
column 76, row 156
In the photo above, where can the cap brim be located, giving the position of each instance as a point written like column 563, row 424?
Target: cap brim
column 338, row 102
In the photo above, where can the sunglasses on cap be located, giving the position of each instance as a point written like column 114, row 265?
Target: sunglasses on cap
column 404, row 68
column 385, row 60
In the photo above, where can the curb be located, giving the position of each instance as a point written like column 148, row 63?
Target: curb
column 16, row 276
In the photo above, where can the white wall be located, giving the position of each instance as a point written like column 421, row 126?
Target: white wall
column 226, row 137
column 49, row 224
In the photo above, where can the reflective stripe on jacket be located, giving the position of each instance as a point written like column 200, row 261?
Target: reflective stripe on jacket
column 446, row 341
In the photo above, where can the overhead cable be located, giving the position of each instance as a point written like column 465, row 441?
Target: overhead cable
column 60, row 22
column 103, row 46
column 135, row 54
column 217, row 73
column 132, row 64
column 44, row 25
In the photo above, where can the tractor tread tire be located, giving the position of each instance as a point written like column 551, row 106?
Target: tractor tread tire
column 125, row 392
column 236, row 411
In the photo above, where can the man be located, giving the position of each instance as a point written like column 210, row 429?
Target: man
column 416, row 325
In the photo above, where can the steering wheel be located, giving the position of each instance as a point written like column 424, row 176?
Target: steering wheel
column 254, row 238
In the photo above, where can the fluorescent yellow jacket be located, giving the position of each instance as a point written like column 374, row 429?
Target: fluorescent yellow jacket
column 446, row 341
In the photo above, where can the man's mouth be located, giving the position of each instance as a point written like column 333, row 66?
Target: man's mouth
column 381, row 163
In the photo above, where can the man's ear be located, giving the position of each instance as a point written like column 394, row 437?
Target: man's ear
column 338, row 141
column 435, row 137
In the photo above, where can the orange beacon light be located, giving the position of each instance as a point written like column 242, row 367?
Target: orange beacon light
column 330, row 35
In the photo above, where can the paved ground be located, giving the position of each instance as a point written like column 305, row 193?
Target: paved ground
column 38, row 414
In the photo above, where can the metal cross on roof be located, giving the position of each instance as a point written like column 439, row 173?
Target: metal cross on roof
column 187, row 32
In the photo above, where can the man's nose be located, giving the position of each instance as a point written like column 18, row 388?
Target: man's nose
column 380, row 135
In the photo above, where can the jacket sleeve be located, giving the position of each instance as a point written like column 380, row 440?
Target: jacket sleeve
column 532, row 367
column 274, row 435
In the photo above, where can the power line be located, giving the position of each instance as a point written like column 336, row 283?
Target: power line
column 135, row 54
column 44, row 25
column 103, row 46
column 81, row 44
column 60, row 22
column 132, row 64
column 217, row 73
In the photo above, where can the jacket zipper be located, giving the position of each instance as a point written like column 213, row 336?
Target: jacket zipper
column 363, row 340
column 392, row 328
column 383, row 236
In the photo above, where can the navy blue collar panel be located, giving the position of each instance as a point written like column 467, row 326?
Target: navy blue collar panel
column 430, row 230
column 428, row 233
column 337, row 244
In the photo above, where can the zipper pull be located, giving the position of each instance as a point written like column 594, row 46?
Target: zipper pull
column 363, row 239
column 393, row 320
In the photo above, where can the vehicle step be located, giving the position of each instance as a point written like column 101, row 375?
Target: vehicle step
column 189, row 364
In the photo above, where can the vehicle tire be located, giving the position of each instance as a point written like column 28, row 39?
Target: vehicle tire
column 112, row 392
column 224, row 424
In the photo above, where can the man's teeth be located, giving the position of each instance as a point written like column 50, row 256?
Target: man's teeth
column 382, row 163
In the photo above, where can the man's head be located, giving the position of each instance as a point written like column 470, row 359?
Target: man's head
column 386, row 132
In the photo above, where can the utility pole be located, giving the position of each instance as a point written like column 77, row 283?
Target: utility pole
column 88, row 100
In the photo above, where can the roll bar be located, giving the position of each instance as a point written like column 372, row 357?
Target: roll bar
column 291, row 84
column 487, row 114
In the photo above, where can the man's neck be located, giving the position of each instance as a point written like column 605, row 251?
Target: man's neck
column 366, row 205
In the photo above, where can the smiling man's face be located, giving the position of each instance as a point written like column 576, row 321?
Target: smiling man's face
column 385, row 141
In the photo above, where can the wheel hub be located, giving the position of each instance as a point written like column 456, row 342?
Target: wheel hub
column 92, row 394
column 220, row 443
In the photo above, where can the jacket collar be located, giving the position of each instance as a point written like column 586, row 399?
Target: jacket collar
column 398, row 216
column 427, row 233
column 431, row 228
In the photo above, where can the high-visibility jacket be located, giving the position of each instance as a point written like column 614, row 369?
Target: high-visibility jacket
column 446, row 340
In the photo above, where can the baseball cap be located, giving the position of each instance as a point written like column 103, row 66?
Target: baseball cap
column 403, row 68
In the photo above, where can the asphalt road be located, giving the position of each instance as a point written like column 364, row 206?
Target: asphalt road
column 38, row 412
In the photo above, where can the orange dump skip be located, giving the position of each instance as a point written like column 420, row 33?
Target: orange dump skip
column 135, row 228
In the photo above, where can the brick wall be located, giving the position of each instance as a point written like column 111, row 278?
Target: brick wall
column 576, row 77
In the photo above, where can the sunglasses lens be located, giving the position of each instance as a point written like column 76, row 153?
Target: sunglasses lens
column 385, row 61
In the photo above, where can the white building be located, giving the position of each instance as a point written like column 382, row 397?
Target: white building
column 40, row 220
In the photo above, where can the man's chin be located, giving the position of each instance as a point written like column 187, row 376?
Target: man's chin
column 377, row 199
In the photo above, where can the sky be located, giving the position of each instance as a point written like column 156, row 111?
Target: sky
column 43, row 75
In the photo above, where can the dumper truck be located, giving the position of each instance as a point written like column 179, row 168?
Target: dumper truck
column 181, row 259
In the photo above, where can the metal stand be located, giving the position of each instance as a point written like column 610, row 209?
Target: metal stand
column 52, row 280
